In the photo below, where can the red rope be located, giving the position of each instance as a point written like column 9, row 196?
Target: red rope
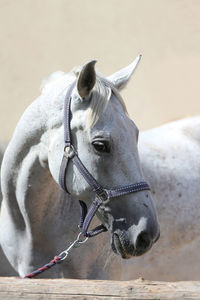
column 52, row 263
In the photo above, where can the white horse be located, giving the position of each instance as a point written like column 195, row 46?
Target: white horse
column 37, row 219
column 170, row 161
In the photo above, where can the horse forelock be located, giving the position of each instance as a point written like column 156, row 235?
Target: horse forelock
column 101, row 95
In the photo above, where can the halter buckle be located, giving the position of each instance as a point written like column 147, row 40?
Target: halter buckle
column 103, row 196
column 69, row 151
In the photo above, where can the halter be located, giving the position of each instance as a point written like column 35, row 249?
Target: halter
column 102, row 195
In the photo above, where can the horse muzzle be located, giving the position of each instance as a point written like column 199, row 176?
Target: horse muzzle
column 127, row 247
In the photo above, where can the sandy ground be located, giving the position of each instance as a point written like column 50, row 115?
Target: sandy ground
column 38, row 37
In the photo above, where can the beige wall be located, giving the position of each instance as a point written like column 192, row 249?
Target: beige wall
column 38, row 37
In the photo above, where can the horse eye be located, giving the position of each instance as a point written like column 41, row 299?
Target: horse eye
column 101, row 146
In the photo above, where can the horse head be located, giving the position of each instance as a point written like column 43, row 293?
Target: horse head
column 105, row 139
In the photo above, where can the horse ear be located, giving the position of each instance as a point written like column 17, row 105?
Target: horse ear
column 121, row 78
column 86, row 79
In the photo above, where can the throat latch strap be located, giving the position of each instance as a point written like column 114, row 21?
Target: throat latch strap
column 86, row 219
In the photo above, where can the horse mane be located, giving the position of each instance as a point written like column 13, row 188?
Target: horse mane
column 101, row 93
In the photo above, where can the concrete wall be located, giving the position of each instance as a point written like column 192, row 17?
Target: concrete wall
column 39, row 37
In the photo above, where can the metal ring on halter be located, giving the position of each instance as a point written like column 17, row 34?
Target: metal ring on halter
column 82, row 241
column 63, row 255
column 69, row 151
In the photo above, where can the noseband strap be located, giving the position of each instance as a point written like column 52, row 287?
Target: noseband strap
column 101, row 195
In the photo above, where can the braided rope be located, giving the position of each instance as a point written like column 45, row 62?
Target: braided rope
column 59, row 258
column 53, row 262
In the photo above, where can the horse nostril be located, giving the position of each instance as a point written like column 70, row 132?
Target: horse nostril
column 143, row 241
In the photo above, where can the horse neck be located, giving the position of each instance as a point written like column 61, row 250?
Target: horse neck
column 29, row 191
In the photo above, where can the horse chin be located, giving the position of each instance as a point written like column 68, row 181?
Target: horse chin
column 118, row 248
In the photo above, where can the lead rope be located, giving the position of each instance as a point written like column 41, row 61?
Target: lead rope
column 59, row 258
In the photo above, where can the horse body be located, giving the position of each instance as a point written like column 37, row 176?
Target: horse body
column 170, row 161
column 169, row 157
